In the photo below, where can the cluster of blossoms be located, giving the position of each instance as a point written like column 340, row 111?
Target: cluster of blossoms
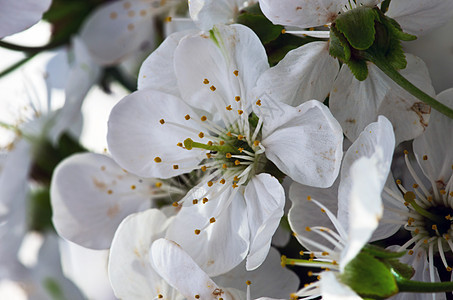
column 274, row 149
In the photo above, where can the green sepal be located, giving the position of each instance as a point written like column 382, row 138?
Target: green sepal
column 338, row 45
column 396, row 29
column 369, row 277
column 39, row 210
column 358, row 68
column 379, row 252
column 401, row 269
column 357, row 26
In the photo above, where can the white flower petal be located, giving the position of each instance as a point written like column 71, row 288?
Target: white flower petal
column 118, row 29
column 157, row 71
column 136, row 136
column 216, row 58
column 304, row 142
column 418, row 16
column 16, row 16
column 82, row 75
column 207, row 13
column 310, row 13
column 130, row 272
column 305, row 73
column 176, row 266
column 376, row 141
column 269, row 280
column 265, row 199
column 365, row 205
column 90, row 197
column 222, row 245
column 436, row 143
column 362, row 101
column 333, row 289
column 304, row 213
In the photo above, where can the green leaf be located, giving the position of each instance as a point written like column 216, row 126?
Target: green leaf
column 358, row 68
column 369, row 277
column 379, row 252
column 357, row 25
column 264, row 29
column 401, row 269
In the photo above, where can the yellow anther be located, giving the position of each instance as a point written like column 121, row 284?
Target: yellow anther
column 448, row 269
column 187, row 117
column 228, row 155
column 323, row 210
column 160, row 296
column 283, row 261
column 195, row 201
column 228, row 107
column 406, row 203
column 311, row 28
column 240, row 111
column 176, row 167
column 283, row 31
column 234, row 185
column 224, row 166
column 398, row 181
column 212, row 88
column 429, row 198
column 406, row 152
column 248, row 282
column 212, row 220
column 205, row 200
column 416, row 231
column 109, row 192
column 258, row 102
column 256, row 143
column 236, row 72
column 240, row 137
column 410, row 252
column 162, row 121
column 206, row 81
column 237, row 98
column 415, row 185
column 179, row 144
column 425, row 157
column 237, row 162
column 334, row 262
column 208, row 155
column 307, row 228
column 309, row 198
column 204, row 168
column 221, row 143
column 443, row 192
column 168, row 19
column 209, row 143
column 203, row 118
column 222, row 181
column 229, row 134
column 158, row 184
column 310, row 273
column 197, row 231
column 157, row 159
column 103, row 168
column 425, row 241
column 201, row 135
column 133, row 187
column 325, row 253
column 434, row 227
column 175, row 204
column 210, row 183
column 236, row 178
column 301, row 253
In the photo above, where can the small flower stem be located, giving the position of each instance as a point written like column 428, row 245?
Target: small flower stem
column 17, row 65
column 408, row 86
column 410, row 198
column 405, row 285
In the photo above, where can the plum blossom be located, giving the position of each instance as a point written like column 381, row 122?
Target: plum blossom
column 318, row 76
column 207, row 123
column 364, row 172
